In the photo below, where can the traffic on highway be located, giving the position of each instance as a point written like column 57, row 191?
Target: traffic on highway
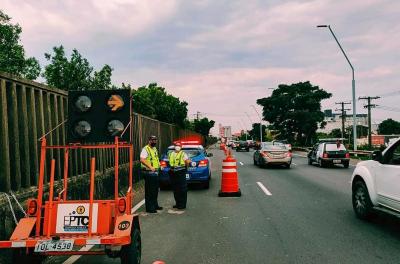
column 199, row 132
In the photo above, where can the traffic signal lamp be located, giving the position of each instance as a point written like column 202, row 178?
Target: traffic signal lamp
column 97, row 116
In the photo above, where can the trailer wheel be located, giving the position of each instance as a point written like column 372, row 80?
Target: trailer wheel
column 20, row 256
column 132, row 253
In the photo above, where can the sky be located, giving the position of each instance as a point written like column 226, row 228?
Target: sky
column 220, row 56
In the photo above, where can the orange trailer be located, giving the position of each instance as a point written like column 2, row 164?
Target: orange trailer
column 59, row 226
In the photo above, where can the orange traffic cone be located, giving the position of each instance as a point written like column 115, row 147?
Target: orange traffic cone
column 229, row 179
column 222, row 146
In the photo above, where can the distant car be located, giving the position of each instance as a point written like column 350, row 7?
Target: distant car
column 198, row 172
column 242, row 145
column 272, row 154
column 375, row 183
column 251, row 143
column 284, row 142
column 329, row 153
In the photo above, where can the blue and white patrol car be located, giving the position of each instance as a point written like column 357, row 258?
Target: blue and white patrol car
column 198, row 172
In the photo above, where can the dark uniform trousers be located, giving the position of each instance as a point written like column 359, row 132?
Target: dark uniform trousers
column 179, row 186
column 151, row 189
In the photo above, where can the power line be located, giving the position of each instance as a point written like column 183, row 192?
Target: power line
column 343, row 116
column 369, row 106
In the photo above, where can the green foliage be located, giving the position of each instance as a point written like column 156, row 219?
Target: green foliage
column 12, row 53
column 336, row 133
column 255, row 132
column 153, row 101
column 75, row 73
column 203, row 126
column 295, row 111
column 389, row 127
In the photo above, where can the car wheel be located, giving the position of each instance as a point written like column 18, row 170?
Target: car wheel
column 254, row 161
column 321, row 163
column 260, row 163
column 248, row 150
column 309, row 161
column 207, row 185
column 346, row 165
column 362, row 204
column 287, row 166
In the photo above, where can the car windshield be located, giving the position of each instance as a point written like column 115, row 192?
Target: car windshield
column 191, row 152
column 273, row 147
column 334, row 147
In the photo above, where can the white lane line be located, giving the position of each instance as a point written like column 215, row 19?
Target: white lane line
column 74, row 258
column 241, row 163
column 294, row 164
column 298, row 155
column 265, row 190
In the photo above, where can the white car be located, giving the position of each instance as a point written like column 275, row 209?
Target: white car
column 376, row 183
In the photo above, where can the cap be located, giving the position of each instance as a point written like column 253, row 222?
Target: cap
column 152, row 137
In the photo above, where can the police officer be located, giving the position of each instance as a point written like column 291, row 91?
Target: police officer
column 178, row 160
column 150, row 165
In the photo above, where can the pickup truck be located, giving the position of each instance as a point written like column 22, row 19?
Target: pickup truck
column 376, row 183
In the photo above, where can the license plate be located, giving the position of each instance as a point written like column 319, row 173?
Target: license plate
column 337, row 161
column 187, row 176
column 50, row 245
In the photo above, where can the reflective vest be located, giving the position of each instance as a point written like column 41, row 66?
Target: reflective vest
column 152, row 157
column 176, row 159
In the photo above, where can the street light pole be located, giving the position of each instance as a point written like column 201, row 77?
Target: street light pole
column 260, row 122
column 353, row 84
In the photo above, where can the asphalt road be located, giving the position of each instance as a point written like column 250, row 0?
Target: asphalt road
column 307, row 219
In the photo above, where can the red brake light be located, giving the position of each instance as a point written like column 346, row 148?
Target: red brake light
column 121, row 205
column 203, row 163
column 32, row 206
column 347, row 155
column 325, row 155
column 289, row 154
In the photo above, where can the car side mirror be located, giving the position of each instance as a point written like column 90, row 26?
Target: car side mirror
column 377, row 155
column 209, row 155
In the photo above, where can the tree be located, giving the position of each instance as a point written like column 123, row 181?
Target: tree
column 336, row 133
column 255, row 132
column 389, row 127
column 153, row 101
column 12, row 53
column 75, row 73
column 203, row 126
column 295, row 111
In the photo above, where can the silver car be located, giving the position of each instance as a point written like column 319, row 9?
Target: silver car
column 272, row 154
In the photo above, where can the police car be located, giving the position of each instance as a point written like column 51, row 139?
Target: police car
column 199, row 170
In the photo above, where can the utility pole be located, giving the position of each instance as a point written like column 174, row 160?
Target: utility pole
column 343, row 115
column 197, row 114
column 369, row 106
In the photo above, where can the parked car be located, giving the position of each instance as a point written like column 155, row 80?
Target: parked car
column 329, row 153
column 198, row 172
column 375, row 183
column 272, row 154
column 242, row 146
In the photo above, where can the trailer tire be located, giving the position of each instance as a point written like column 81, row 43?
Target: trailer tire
column 132, row 253
column 20, row 256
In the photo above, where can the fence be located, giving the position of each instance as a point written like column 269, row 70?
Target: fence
column 28, row 110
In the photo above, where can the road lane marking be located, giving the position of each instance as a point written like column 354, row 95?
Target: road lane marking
column 74, row 258
column 241, row 163
column 298, row 155
column 294, row 164
column 265, row 190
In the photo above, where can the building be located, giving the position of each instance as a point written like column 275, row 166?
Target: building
column 334, row 121
column 225, row 132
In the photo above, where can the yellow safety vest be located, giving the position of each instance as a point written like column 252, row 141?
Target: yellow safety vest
column 176, row 159
column 152, row 157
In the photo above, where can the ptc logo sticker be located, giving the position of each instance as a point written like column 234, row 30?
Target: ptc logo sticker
column 124, row 225
column 74, row 218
